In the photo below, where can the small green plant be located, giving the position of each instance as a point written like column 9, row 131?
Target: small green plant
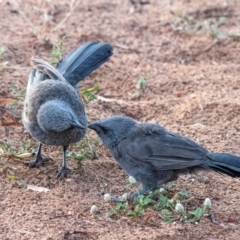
column 57, row 51
column 2, row 50
column 188, row 23
column 170, row 206
column 27, row 146
column 8, row 147
column 83, row 150
column 14, row 107
column 88, row 94
column 142, row 83
column 2, row 64
column 19, row 95
column 10, row 172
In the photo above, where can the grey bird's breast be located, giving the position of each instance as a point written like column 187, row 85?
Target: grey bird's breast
column 50, row 90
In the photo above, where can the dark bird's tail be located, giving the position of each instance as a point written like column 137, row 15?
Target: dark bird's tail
column 223, row 163
column 83, row 60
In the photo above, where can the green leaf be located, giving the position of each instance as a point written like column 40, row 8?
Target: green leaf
column 129, row 185
column 141, row 84
column 132, row 213
column 138, row 211
column 164, row 203
column 2, row 50
column 111, row 213
column 147, row 200
column 121, row 206
column 139, row 199
column 57, row 51
column 168, row 220
column 88, row 94
column 166, row 213
column 139, row 208
column 197, row 214
column 184, row 193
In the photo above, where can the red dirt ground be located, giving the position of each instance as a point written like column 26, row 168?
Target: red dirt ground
column 193, row 88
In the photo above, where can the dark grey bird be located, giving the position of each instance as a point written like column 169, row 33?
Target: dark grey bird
column 53, row 111
column 154, row 156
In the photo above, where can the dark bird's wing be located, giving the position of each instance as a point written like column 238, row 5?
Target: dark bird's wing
column 151, row 145
column 82, row 61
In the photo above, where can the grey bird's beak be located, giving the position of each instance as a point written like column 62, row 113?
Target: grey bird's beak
column 77, row 125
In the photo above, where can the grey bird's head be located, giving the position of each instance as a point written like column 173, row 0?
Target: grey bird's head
column 56, row 116
column 112, row 130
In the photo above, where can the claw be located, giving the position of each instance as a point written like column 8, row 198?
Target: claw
column 39, row 160
column 62, row 172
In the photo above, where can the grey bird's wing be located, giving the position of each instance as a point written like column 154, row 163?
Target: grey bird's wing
column 153, row 146
column 47, row 69
column 41, row 70
column 40, row 88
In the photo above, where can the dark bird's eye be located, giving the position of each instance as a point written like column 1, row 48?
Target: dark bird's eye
column 104, row 130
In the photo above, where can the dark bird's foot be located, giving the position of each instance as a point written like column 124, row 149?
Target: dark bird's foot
column 39, row 160
column 130, row 197
column 62, row 172
column 116, row 200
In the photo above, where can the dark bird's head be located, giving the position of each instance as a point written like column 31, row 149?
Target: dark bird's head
column 56, row 116
column 113, row 129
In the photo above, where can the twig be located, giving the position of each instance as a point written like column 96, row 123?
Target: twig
column 201, row 107
column 121, row 46
column 21, row 231
column 18, row 67
column 72, row 8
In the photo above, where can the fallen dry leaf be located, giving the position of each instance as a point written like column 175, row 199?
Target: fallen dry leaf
column 37, row 189
column 23, row 155
column 7, row 118
column 7, row 101
column 179, row 94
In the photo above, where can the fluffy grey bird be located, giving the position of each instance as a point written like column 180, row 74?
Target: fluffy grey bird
column 53, row 111
column 154, row 156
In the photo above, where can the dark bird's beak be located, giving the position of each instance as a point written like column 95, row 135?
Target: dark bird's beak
column 93, row 126
column 77, row 125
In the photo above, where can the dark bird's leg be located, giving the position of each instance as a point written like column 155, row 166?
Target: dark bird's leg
column 63, row 168
column 141, row 192
column 151, row 184
column 38, row 161
column 150, row 180
column 132, row 195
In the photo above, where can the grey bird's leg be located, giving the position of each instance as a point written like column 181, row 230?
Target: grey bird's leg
column 63, row 168
column 38, row 161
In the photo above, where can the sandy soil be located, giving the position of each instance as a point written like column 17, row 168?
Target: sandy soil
column 191, row 66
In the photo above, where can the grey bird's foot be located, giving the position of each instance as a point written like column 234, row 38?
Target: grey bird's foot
column 62, row 172
column 39, row 160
